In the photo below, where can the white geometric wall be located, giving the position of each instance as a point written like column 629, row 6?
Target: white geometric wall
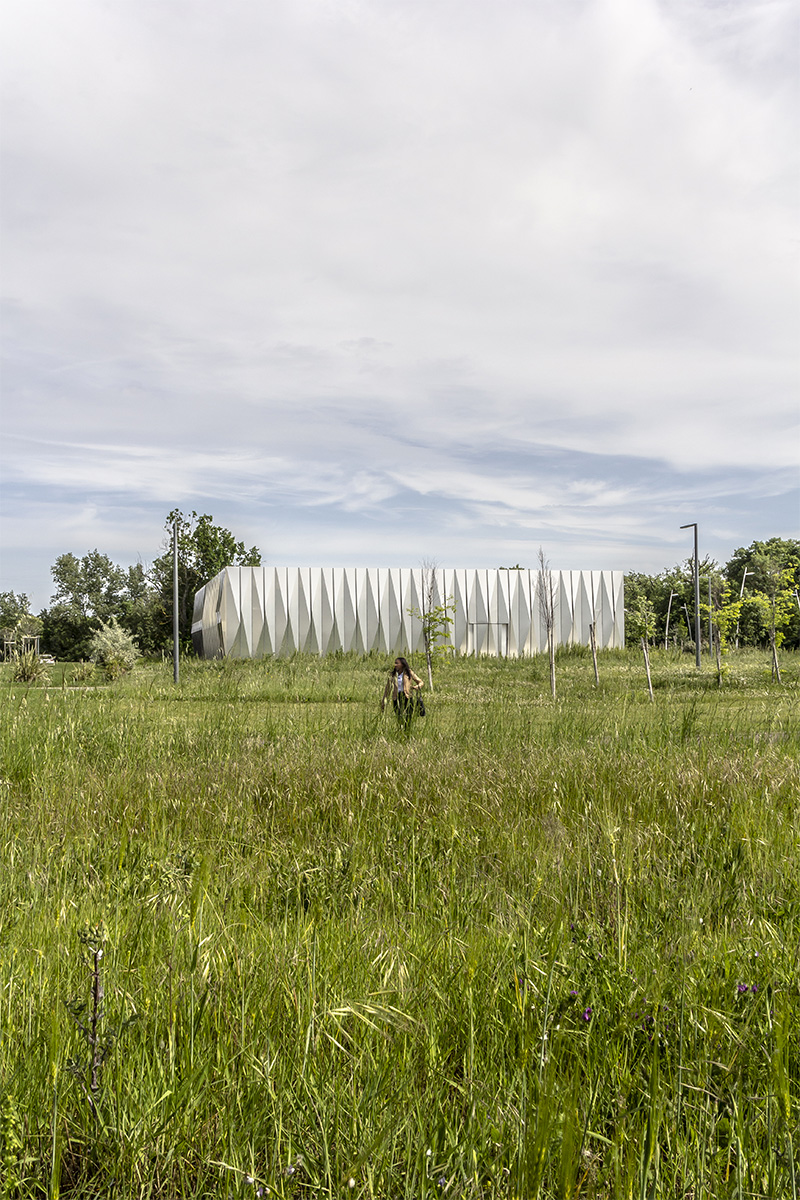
column 250, row 612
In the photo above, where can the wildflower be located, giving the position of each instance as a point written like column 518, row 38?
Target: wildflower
column 754, row 988
column 443, row 1182
column 741, row 987
column 573, row 992
column 351, row 1183
column 587, row 1014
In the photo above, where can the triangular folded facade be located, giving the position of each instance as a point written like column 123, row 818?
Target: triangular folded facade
column 250, row 612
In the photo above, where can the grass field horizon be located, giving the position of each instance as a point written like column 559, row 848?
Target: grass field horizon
column 528, row 948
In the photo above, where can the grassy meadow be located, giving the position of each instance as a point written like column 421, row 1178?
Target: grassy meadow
column 257, row 940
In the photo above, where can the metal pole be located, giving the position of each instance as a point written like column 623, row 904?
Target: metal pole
column 666, row 629
column 741, row 594
column 693, row 525
column 175, row 637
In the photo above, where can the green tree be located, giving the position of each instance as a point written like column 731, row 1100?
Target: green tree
column 767, row 577
column 141, row 612
column 13, row 608
column 671, row 595
column 17, row 621
column 204, row 549
column 436, row 620
column 92, row 590
column 87, row 591
column 91, row 586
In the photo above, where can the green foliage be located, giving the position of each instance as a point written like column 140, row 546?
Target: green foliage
column 82, row 672
column 91, row 590
column 29, row 668
column 14, row 611
column 727, row 618
column 17, row 624
column 91, row 586
column 436, row 623
column 640, row 620
column 11, row 1147
column 113, row 649
column 670, row 593
column 204, row 549
column 773, row 572
column 533, row 946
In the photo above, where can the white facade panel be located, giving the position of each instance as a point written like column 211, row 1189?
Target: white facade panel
column 249, row 612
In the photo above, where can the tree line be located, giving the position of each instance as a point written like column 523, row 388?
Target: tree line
column 92, row 591
column 753, row 600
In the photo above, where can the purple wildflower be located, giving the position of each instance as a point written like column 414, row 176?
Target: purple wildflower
column 587, row 1014
column 741, row 987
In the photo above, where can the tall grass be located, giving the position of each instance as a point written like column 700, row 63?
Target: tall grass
column 525, row 949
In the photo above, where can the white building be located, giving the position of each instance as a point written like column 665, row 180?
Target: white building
column 250, row 612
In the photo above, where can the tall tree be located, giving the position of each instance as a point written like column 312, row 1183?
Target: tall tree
column 87, row 591
column 92, row 590
column 91, row 586
column 767, row 577
column 204, row 549
column 547, row 610
column 671, row 594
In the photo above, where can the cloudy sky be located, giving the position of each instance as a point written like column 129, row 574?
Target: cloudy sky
column 378, row 280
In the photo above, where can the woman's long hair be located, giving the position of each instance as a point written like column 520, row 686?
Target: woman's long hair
column 403, row 664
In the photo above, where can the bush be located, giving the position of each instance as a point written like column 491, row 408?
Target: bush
column 29, row 668
column 114, row 650
column 82, row 672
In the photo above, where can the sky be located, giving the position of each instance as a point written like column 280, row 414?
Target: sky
column 378, row 281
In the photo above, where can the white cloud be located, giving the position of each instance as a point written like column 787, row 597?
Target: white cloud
column 316, row 253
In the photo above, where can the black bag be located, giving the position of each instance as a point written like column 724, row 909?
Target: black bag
column 420, row 707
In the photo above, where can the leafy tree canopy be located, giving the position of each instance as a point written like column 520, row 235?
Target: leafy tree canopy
column 91, row 591
column 768, row 609
column 15, row 615
column 204, row 549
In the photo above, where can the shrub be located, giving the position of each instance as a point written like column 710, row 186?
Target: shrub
column 29, row 668
column 82, row 672
column 113, row 649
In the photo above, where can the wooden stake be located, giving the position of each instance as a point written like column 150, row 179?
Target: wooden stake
column 776, row 671
column 593, row 641
column 647, row 668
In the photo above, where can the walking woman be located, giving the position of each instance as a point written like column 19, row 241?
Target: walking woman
column 403, row 686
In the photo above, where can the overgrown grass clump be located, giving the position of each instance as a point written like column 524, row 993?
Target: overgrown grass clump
column 257, row 940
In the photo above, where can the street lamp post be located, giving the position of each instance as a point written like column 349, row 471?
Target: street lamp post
column 669, row 609
column 175, row 634
column 741, row 595
column 710, row 620
column 693, row 525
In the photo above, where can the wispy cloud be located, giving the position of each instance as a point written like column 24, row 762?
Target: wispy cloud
column 358, row 272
